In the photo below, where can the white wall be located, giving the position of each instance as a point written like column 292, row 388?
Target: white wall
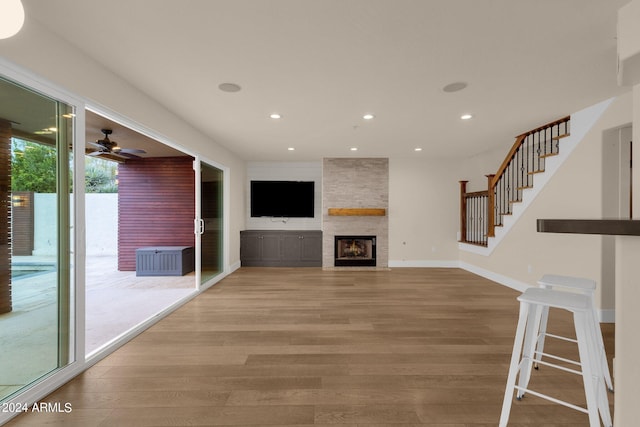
column 423, row 207
column 102, row 224
column 476, row 168
column 47, row 56
column 626, row 368
column 45, row 237
column 424, row 215
column 575, row 191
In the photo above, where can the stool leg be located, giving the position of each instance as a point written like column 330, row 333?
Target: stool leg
column 583, row 325
column 541, row 335
column 530, row 339
column 596, row 350
column 513, row 366
column 602, row 354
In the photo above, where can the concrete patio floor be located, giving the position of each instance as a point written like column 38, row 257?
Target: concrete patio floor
column 116, row 301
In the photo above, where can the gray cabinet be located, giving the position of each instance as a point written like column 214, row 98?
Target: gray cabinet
column 281, row 248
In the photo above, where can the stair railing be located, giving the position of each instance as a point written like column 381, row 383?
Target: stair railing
column 525, row 159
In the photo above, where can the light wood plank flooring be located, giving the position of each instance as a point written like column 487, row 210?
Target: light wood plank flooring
column 301, row 347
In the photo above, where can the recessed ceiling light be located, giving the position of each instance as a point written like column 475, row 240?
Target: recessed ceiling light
column 368, row 116
column 466, row 116
column 291, row 149
column 229, row 87
column 417, row 149
column 275, row 116
column 454, row 87
column 354, row 148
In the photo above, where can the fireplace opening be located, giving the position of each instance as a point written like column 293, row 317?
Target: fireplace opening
column 355, row 251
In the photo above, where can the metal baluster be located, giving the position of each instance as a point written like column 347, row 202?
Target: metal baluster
column 537, row 152
column 473, row 220
column 502, row 189
column 484, row 223
column 529, row 158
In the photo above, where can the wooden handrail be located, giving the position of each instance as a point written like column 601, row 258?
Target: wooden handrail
column 504, row 187
column 514, row 149
column 548, row 125
column 477, row 193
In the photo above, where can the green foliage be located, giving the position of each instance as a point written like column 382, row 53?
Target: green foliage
column 33, row 167
column 100, row 176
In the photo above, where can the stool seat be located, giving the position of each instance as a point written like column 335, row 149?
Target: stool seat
column 556, row 299
column 578, row 283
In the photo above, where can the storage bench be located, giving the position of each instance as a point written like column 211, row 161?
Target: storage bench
column 165, row 260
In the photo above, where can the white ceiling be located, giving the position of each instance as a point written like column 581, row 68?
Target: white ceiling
column 322, row 64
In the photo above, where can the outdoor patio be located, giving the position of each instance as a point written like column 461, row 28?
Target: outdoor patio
column 116, row 301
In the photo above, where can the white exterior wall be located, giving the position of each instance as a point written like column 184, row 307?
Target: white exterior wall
column 102, row 224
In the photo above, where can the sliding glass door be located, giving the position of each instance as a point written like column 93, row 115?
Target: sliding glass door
column 36, row 135
column 209, row 224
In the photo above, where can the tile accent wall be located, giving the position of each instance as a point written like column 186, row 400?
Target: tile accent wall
column 355, row 183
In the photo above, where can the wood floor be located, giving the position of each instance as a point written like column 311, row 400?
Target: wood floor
column 301, row 347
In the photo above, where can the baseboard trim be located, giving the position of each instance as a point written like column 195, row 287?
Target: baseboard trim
column 424, row 264
column 233, row 267
column 499, row 278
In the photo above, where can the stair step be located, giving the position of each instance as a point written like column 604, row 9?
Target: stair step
column 544, row 156
column 564, row 135
column 535, row 172
column 525, row 187
column 515, row 201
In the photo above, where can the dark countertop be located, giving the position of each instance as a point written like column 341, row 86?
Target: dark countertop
column 617, row 227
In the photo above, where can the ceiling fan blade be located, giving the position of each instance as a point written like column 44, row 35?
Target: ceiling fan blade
column 95, row 144
column 95, row 153
column 131, row 151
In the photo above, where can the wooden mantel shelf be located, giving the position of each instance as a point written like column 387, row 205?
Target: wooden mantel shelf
column 357, row 212
column 616, row 227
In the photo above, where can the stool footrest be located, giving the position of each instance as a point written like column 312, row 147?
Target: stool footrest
column 552, row 399
column 552, row 365
column 552, row 356
column 558, row 337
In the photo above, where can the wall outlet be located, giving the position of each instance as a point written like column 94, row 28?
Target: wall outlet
column 529, row 269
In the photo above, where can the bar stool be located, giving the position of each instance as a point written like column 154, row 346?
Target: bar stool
column 532, row 301
column 586, row 287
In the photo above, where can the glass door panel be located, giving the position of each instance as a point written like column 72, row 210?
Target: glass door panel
column 35, row 269
column 211, row 222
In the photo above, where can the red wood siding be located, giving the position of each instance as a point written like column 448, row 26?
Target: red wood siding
column 22, row 227
column 5, row 213
column 156, row 206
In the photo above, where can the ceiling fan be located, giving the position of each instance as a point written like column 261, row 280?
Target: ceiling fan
column 106, row 146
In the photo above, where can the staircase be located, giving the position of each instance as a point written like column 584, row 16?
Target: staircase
column 482, row 211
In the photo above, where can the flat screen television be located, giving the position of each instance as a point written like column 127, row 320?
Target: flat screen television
column 286, row 199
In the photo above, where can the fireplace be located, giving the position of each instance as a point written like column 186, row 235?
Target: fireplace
column 355, row 251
